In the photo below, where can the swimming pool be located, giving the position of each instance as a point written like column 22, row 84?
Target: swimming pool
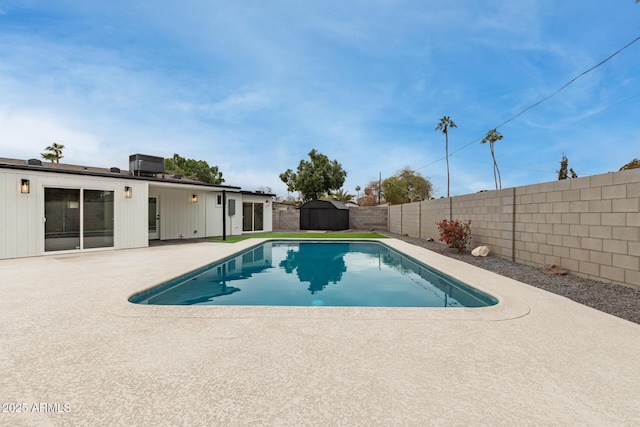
column 316, row 273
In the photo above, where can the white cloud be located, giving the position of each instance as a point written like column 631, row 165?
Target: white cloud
column 26, row 133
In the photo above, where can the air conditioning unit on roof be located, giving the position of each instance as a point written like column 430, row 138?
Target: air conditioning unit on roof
column 142, row 164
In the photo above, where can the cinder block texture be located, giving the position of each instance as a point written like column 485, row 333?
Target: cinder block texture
column 588, row 225
column 369, row 217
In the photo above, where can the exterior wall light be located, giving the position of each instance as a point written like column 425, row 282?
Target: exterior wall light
column 128, row 192
column 194, row 199
column 25, row 187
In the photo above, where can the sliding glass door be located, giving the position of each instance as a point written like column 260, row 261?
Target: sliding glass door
column 252, row 217
column 78, row 219
column 97, row 218
column 62, row 224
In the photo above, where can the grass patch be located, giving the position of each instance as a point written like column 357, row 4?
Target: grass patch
column 299, row 235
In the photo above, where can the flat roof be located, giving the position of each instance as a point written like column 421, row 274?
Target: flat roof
column 64, row 168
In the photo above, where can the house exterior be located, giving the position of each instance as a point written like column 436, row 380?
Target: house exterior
column 48, row 208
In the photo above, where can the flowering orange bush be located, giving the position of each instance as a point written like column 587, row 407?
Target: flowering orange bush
column 456, row 234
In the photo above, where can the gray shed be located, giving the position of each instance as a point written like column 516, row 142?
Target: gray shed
column 324, row 215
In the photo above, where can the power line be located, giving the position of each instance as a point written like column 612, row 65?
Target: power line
column 506, row 166
column 567, row 84
column 543, row 100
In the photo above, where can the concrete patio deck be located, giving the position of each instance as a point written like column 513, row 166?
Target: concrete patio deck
column 71, row 341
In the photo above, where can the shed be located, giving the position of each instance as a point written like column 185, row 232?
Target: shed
column 324, row 215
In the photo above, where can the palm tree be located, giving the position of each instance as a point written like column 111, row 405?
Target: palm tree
column 341, row 196
column 53, row 152
column 444, row 125
column 491, row 137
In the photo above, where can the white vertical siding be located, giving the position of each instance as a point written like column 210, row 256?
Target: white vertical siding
column 18, row 216
column 131, row 227
column 179, row 218
column 213, row 215
column 234, row 223
column 22, row 215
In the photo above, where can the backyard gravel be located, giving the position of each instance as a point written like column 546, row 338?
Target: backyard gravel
column 617, row 300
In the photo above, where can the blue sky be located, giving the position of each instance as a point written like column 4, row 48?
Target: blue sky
column 253, row 86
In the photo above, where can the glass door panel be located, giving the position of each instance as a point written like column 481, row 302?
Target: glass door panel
column 258, row 217
column 97, row 219
column 154, row 217
column 62, row 219
column 247, row 217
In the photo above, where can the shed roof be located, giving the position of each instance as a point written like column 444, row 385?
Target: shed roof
column 324, row 204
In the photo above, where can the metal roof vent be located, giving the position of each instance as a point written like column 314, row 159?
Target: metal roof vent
column 34, row 162
column 114, row 170
column 141, row 164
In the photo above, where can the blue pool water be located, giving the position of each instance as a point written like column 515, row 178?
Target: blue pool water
column 316, row 273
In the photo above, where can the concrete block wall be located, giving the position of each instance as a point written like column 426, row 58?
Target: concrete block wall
column 395, row 219
column 362, row 218
column 491, row 216
column 433, row 211
column 489, row 213
column 590, row 225
column 286, row 219
column 368, row 217
column 406, row 219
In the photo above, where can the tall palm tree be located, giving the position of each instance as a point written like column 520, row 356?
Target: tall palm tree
column 491, row 137
column 53, row 152
column 444, row 125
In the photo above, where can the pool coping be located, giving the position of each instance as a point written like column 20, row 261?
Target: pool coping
column 508, row 307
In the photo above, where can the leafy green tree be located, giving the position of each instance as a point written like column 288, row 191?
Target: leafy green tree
column 445, row 124
column 315, row 178
column 565, row 171
column 633, row 164
column 491, row 137
column 198, row 170
column 53, row 153
column 406, row 186
column 341, row 196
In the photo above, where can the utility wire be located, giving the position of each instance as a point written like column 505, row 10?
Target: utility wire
column 541, row 101
column 506, row 166
column 538, row 103
column 568, row 83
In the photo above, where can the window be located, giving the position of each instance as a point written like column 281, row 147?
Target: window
column 219, row 200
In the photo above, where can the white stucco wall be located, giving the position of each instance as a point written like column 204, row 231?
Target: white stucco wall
column 22, row 215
